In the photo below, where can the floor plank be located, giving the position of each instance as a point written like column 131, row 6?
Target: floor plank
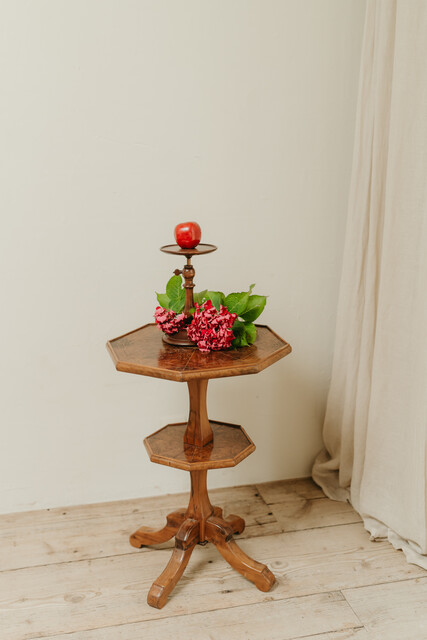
column 348, row 634
column 297, row 513
column 275, row 620
column 301, row 504
column 70, row 574
column 280, row 490
column 74, row 596
column 100, row 530
column 394, row 611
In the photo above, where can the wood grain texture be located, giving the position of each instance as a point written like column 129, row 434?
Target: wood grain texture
column 88, row 596
column 272, row 620
column 201, row 523
column 143, row 352
column 75, row 596
column 392, row 611
column 145, row 536
column 199, row 506
column 199, row 431
column 282, row 490
column 99, row 530
column 298, row 513
column 185, row 540
column 230, row 445
column 357, row 633
column 221, row 534
column 301, row 504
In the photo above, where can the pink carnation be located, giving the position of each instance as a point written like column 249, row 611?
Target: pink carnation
column 211, row 329
column 168, row 321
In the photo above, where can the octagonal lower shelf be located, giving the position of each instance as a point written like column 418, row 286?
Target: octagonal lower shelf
column 230, row 445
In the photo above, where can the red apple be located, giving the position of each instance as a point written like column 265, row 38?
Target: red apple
column 188, row 235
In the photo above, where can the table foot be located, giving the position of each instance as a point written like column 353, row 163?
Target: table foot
column 147, row 536
column 236, row 522
column 185, row 541
column 220, row 533
column 198, row 524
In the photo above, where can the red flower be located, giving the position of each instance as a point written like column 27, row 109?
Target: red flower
column 211, row 329
column 168, row 321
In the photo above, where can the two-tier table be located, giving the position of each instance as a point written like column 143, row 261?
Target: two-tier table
column 196, row 446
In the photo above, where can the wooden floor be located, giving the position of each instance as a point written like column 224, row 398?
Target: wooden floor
column 70, row 573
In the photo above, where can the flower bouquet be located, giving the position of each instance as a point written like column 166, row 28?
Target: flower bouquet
column 215, row 322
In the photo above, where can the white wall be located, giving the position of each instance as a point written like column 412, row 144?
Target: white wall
column 118, row 120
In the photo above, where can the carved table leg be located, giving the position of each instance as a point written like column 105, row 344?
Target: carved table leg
column 198, row 431
column 185, row 541
column 199, row 506
column 236, row 522
column 147, row 536
column 220, row 533
column 201, row 522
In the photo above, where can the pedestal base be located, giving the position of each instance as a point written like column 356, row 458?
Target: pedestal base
column 198, row 524
column 179, row 339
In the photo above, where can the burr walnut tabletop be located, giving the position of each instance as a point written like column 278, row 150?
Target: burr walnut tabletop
column 196, row 446
column 143, row 351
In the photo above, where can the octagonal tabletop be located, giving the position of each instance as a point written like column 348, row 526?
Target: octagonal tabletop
column 143, row 351
column 231, row 444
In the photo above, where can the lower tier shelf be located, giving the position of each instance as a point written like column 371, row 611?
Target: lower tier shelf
column 230, row 445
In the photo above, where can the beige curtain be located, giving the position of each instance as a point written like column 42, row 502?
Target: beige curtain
column 375, row 430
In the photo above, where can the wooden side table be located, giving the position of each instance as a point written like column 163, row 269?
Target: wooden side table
column 196, row 446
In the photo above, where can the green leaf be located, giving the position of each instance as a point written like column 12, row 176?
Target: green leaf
column 176, row 294
column 240, row 341
column 237, row 302
column 217, row 298
column 244, row 334
column 254, row 308
column 163, row 300
column 177, row 303
column 198, row 297
column 173, row 286
column 238, row 329
column 250, row 332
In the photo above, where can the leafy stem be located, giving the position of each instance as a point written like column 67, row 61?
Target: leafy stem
column 245, row 305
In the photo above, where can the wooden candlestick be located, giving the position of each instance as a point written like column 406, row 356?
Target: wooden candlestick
column 188, row 272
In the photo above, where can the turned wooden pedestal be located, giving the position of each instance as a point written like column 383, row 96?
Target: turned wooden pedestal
column 196, row 446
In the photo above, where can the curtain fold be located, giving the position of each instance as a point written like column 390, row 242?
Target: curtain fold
column 375, row 429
